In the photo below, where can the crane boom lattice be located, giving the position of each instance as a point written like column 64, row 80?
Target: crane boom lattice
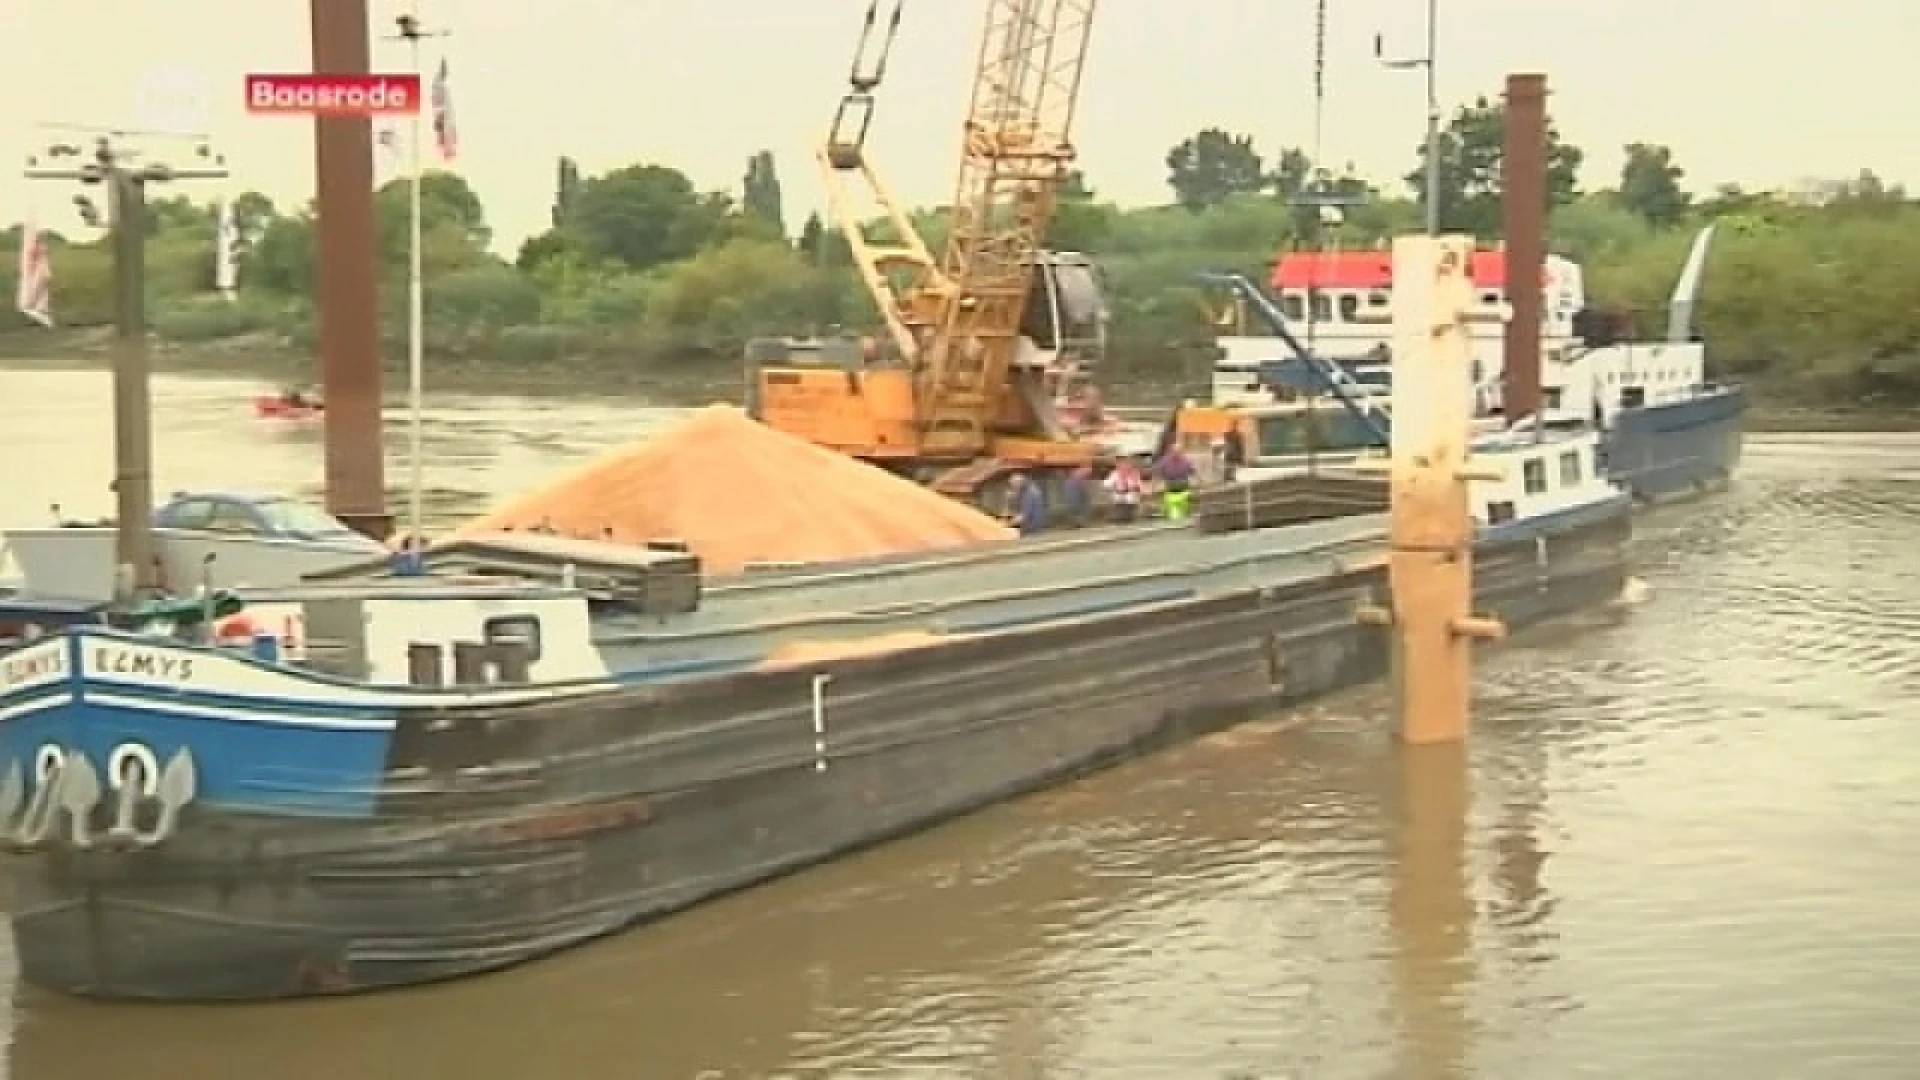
column 1016, row 151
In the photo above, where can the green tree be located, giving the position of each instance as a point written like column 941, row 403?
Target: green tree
column 760, row 192
column 176, row 213
column 281, row 259
column 252, row 213
column 643, row 216
column 448, row 205
column 483, row 295
column 812, row 234
column 1292, row 172
column 1080, row 221
column 1596, row 228
column 745, row 288
column 1650, row 185
column 1211, row 166
column 1471, row 151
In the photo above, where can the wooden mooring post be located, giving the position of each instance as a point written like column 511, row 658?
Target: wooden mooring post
column 1431, row 531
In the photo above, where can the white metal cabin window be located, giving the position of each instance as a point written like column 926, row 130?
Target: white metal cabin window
column 1570, row 469
column 1534, row 473
column 514, row 629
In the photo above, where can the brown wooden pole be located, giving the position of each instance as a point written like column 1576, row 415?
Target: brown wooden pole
column 348, row 291
column 132, row 396
column 1523, row 215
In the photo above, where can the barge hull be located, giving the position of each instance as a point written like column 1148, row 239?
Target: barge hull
column 525, row 832
column 1672, row 450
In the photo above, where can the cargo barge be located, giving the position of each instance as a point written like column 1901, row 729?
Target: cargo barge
column 190, row 822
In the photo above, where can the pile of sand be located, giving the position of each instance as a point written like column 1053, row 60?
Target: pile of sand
column 737, row 492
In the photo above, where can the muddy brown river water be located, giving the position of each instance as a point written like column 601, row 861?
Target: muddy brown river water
column 1678, row 845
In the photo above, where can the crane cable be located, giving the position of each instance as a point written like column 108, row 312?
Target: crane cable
column 859, row 76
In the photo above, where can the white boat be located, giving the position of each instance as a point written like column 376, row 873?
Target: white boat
column 1667, row 428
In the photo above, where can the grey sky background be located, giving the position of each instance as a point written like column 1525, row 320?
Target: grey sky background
column 1762, row 92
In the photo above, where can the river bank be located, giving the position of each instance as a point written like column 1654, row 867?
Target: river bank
column 1779, row 404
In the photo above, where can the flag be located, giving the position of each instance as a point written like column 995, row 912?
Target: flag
column 35, row 296
column 444, row 133
column 226, row 251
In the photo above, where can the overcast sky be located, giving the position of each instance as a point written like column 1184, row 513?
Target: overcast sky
column 1761, row 92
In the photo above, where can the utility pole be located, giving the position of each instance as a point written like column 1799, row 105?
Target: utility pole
column 409, row 31
column 1432, row 154
column 125, row 172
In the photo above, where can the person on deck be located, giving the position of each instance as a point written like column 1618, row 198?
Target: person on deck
column 1176, row 473
column 1126, row 487
column 1092, row 411
column 1077, row 497
column 1029, row 505
column 1234, row 455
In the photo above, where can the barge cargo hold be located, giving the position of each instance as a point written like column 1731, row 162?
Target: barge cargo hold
column 320, row 837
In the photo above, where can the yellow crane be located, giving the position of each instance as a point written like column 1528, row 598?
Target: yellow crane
column 960, row 390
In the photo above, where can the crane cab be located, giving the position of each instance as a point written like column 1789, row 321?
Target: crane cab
column 859, row 397
column 841, row 392
column 1066, row 313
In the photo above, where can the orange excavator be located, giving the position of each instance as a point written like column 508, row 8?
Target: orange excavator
column 959, row 391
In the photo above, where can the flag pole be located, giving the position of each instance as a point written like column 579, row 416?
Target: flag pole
column 411, row 32
column 416, row 326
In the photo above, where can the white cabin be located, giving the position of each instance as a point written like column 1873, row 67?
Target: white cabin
column 1556, row 471
column 1552, row 474
column 426, row 632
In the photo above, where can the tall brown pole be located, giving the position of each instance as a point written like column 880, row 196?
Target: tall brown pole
column 132, row 403
column 1523, row 214
column 348, row 304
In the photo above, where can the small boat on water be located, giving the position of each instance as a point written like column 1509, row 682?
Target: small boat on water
column 363, row 781
column 289, row 405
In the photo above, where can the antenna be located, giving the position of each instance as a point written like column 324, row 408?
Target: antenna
column 1319, row 76
column 1432, row 148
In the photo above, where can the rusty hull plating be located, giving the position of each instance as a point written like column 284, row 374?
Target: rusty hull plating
column 347, row 280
